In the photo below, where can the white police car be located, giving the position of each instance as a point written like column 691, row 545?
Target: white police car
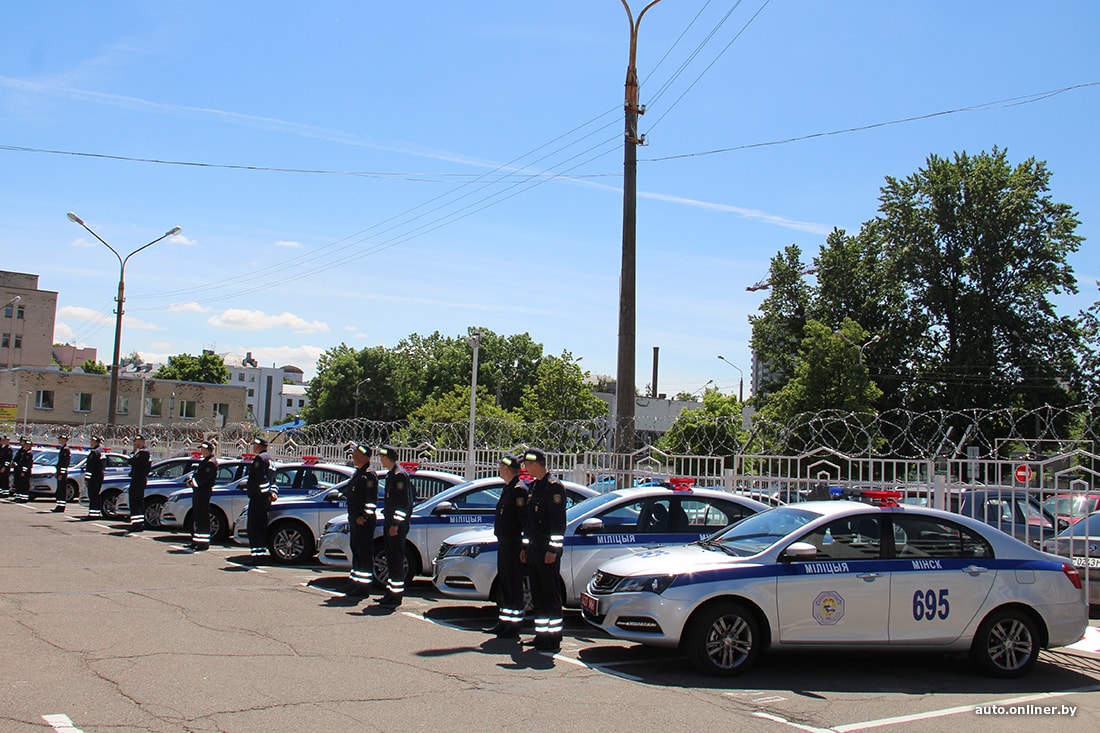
column 44, row 471
column 597, row 530
column 228, row 501
column 468, row 505
column 294, row 525
column 839, row 575
column 165, row 479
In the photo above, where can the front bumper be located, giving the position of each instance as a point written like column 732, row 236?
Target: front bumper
column 643, row 618
column 335, row 549
column 461, row 576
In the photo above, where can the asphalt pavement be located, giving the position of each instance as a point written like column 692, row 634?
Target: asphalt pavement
column 105, row 632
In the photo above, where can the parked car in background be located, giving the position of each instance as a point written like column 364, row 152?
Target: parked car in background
column 1072, row 507
column 44, row 471
column 1080, row 543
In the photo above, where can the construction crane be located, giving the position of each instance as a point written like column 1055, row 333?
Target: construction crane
column 765, row 284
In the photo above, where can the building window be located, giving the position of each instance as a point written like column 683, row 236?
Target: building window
column 122, row 405
column 252, row 377
column 43, row 399
column 301, row 403
column 19, row 312
column 240, row 376
column 221, row 409
column 5, row 340
column 18, row 340
column 152, row 406
column 82, row 402
column 187, row 409
column 290, row 403
column 7, row 310
column 251, row 393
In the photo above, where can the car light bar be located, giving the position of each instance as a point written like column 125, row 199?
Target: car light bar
column 879, row 497
column 311, row 460
column 410, row 466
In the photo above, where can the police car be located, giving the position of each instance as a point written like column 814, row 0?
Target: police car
column 1081, row 544
column 44, row 471
column 844, row 574
column 466, row 506
column 228, row 501
column 165, row 479
column 610, row 525
column 294, row 526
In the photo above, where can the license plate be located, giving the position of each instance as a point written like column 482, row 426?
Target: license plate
column 590, row 604
column 1087, row 562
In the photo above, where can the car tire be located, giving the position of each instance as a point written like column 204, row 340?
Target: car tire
column 381, row 565
column 289, row 542
column 72, row 492
column 109, row 505
column 723, row 639
column 1007, row 644
column 153, row 509
column 219, row 526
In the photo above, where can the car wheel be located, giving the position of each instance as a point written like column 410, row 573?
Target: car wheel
column 153, row 508
column 219, row 527
column 72, row 492
column 724, row 639
column 289, row 542
column 1007, row 644
column 109, row 505
column 382, row 566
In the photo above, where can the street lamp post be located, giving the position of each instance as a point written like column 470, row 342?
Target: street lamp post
column 26, row 411
column 359, row 384
column 475, row 342
column 112, row 407
column 624, row 380
column 741, row 383
column 873, row 340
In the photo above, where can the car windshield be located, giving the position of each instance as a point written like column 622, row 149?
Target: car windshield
column 588, row 505
column 758, row 532
column 1070, row 506
column 46, row 459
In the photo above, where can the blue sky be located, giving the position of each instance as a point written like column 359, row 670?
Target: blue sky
column 465, row 160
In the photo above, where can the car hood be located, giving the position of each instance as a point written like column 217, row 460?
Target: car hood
column 674, row 560
column 472, row 537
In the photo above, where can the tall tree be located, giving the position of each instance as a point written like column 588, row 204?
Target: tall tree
column 207, row 367
column 331, row 392
column 777, row 330
column 984, row 247
column 560, row 392
column 91, row 366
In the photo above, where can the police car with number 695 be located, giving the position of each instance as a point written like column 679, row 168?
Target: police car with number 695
column 844, row 574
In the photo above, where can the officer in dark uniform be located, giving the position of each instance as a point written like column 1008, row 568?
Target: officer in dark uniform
column 395, row 527
column 61, row 496
column 362, row 495
column 202, row 484
column 22, row 463
column 93, row 478
column 511, row 515
column 6, row 454
column 543, row 540
column 140, row 463
column 261, row 492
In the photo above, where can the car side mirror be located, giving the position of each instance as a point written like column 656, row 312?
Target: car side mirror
column 443, row 507
column 1063, row 524
column 590, row 525
column 799, row 551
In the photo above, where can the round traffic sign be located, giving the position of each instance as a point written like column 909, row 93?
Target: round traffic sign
column 1023, row 473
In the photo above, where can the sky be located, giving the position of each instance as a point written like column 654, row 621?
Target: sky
column 355, row 172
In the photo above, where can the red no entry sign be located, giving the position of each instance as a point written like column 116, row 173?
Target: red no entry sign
column 1023, row 473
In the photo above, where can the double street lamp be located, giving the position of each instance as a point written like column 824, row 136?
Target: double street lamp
column 112, row 405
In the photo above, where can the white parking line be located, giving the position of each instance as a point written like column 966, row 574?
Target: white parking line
column 61, row 723
column 929, row 715
column 249, row 568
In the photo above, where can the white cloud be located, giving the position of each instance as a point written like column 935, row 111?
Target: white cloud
column 182, row 240
column 83, row 243
column 287, row 243
column 101, row 318
column 246, row 320
column 191, row 307
column 62, row 332
column 304, row 357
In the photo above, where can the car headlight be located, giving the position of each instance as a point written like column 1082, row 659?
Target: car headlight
column 173, row 500
column 645, row 584
column 471, row 550
column 339, row 526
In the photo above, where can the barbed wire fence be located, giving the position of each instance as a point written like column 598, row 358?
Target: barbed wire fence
column 897, row 434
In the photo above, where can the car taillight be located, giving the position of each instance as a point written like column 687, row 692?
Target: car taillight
column 1073, row 574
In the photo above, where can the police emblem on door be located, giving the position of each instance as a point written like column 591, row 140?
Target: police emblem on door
column 828, row 607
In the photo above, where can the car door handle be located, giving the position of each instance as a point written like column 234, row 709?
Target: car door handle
column 975, row 570
column 869, row 577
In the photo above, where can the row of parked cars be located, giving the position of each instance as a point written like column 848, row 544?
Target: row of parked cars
column 720, row 574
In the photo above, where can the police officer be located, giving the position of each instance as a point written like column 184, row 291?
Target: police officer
column 62, row 473
column 140, row 463
column 22, row 463
column 511, row 515
column 6, row 454
column 362, row 495
column 395, row 527
column 202, row 484
column 93, row 478
column 543, row 540
column 261, row 492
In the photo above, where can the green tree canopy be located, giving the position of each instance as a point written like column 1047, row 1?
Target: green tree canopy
column 715, row 429
column 91, row 366
column 208, row 368
column 560, row 392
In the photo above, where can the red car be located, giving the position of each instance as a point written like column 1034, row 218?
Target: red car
column 1072, row 507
